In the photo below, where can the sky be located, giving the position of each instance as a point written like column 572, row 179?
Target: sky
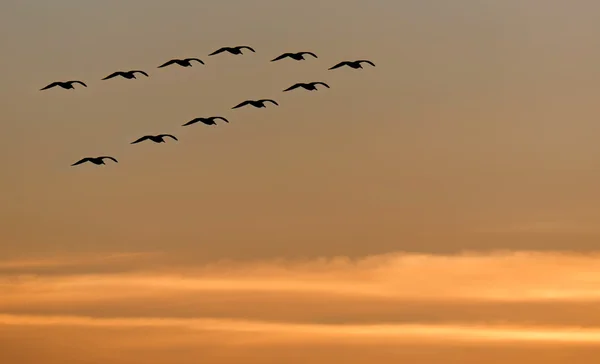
column 441, row 206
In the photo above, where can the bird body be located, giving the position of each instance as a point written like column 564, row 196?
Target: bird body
column 299, row 56
column 160, row 138
column 128, row 75
column 233, row 50
column 187, row 62
column 311, row 86
column 68, row 85
column 256, row 103
column 207, row 121
column 95, row 160
column 353, row 64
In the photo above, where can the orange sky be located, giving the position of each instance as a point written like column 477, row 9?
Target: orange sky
column 443, row 205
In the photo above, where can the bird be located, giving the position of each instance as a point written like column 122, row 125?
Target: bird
column 207, row 121
column 182, row 62
column 255, row 103
column 96, row 160
column 295, row 56
column 66, row 85
column 311, row 86
column 155, row 138
column 233, row 50
column 353, row 64
column 128, row 75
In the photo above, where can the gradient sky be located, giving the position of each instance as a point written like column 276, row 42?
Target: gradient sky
column 442, row 206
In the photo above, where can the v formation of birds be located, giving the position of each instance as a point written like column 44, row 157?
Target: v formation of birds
column 188, row 62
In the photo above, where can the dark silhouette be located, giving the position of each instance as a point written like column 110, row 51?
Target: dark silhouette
column 187, row 62
column 353, row 64
column 207, row 121
column 311, row 86
column 295, row 56
column 97, row 160
column 128, row 75
column 233, row 50
column 68, row 85
column 255, row 103
column 155, row 138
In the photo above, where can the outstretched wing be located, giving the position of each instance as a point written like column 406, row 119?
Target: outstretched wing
column 244, row 103
column 220, row 117
column 339, row 65
column 321, row 83
column 79, row 82
column 249, row 48
column 269, row 100
column 141, row 139
column 194, row 59
column 310, row 53
column 168, row 135
column 292, row 87
column 80, row 161
column 220, row 50
column 142, row 72
column 366, row 61
column 50, row 85
column 114, row 74
column 281, row 57
column 192, row 122
column 108, row 157
column 167, row 63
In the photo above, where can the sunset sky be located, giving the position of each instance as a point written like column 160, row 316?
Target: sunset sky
column 441, row 207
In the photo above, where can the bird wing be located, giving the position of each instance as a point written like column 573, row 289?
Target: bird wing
column 321, row 83
column 114, row 74
column 80, row 161
column 281, row 57
column 269, row 100
column 141, row 139
column 339, row 65
column 244, row 103
column 50, row 85
column 79, row 82
column 168, row 135
column 194, row 59
column 249, row 48
column 167, row 63
column 220, row 117
column 220, row 50
column 366, row 61
column 292, row 87
column 194, row 121
column 142, row 72
column 108, row 157
column 311, row 53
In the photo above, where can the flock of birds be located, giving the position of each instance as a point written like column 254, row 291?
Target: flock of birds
column 187, row 62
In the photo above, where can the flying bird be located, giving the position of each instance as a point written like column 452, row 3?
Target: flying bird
column 155, row 138
column 207, row 121
column 353, row 64
column 128, row 75
column 97, row 160
column 311, row 86
column 187, row 62
column 255, row 103
column 295, row 56
column 233, row 50
column 66, row 85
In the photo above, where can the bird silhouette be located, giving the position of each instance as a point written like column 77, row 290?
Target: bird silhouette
column 233, row 50
column 299, row 56
column 68, row 85
column 311, row 86
column 182, row 62
column 155, row 138
column 128, row 75
column 255, row 103
column 96, row 160
column 353, row 64
column 207, row 121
